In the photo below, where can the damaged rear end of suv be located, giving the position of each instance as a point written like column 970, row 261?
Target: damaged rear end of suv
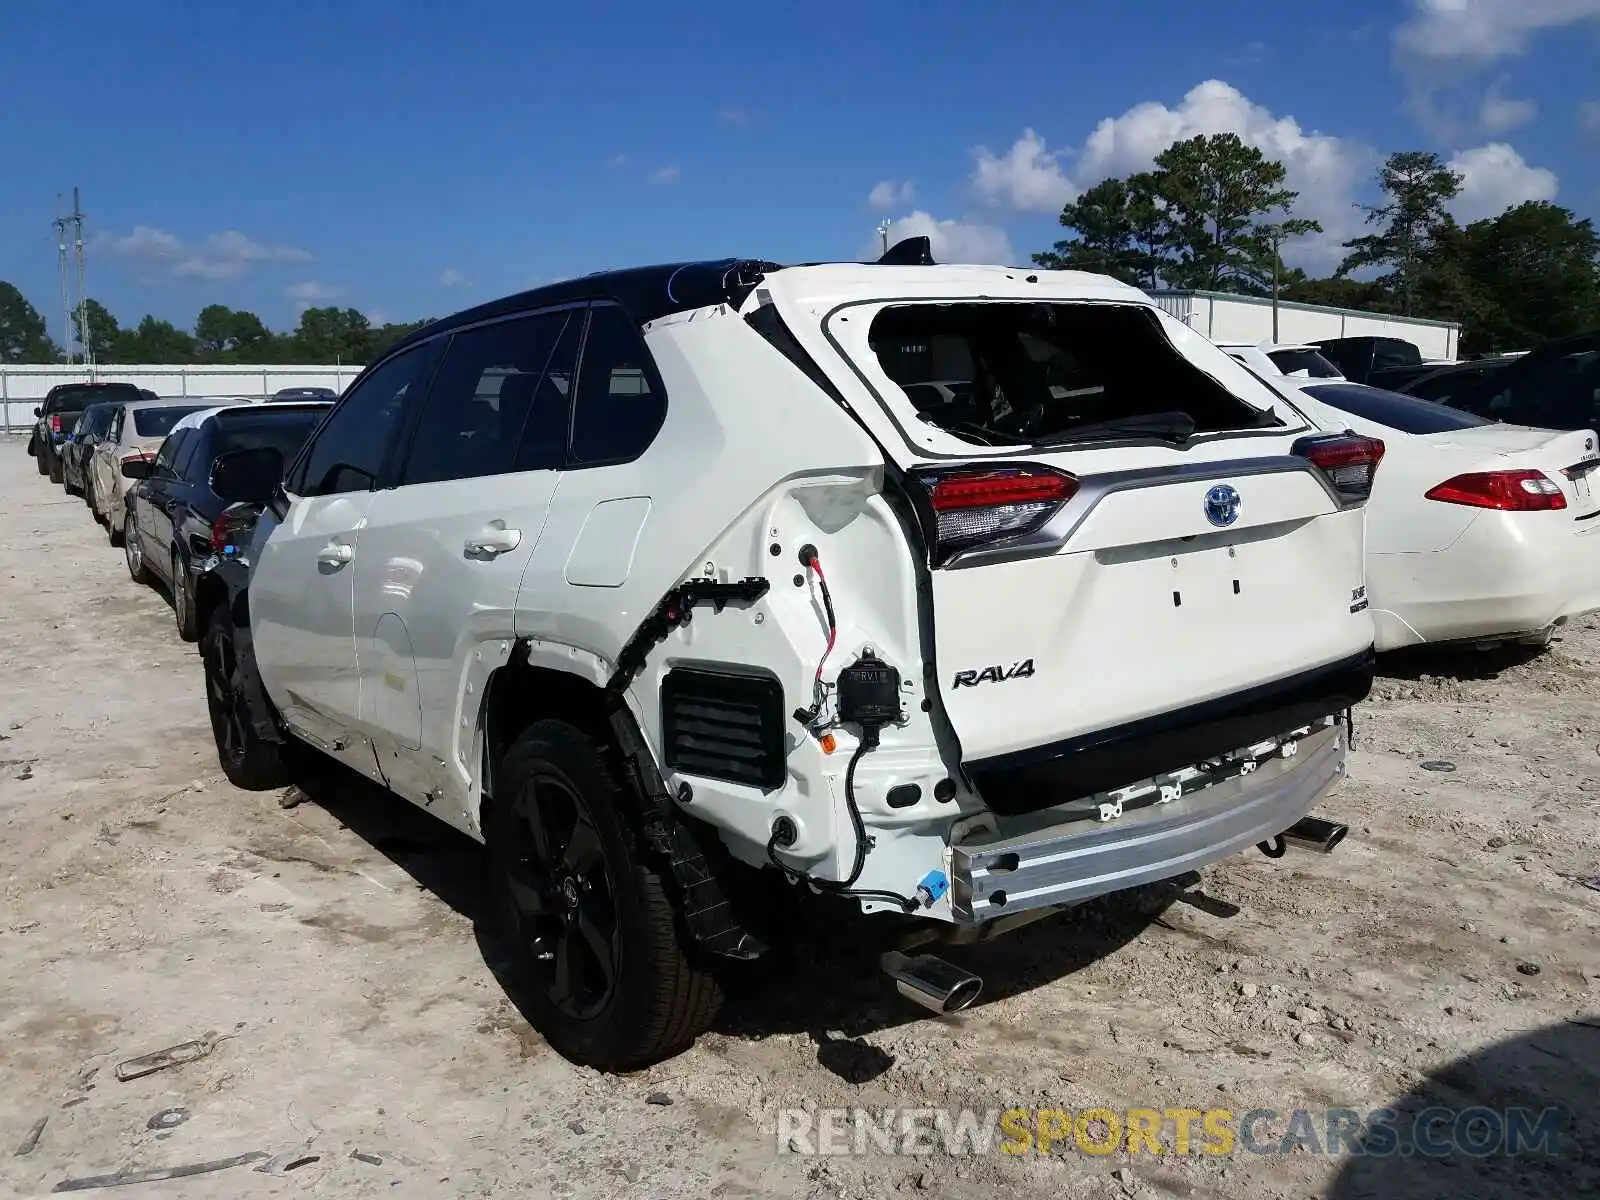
column 960, row 593
column 1091, row 616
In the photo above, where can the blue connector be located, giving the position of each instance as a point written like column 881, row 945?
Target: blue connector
column 932, row 888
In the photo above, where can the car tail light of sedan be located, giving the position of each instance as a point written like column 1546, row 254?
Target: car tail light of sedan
column 1507, row 491
column 1348, row 461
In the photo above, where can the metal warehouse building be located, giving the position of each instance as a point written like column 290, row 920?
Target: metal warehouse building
column 1224, row 317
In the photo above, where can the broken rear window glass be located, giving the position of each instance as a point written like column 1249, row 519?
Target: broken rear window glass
column 1006, row 374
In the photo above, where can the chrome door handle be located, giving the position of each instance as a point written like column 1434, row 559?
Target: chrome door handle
column 492, row 540
column 336, row 554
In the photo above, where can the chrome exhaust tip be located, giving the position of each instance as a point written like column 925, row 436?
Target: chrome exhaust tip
column 937, row 985
column 1313, row 833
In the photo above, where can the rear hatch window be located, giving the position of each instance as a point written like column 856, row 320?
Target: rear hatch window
column 1555, row 390
column 76, row 399
column 158, row 422
column 1408, row 414
column 285, row 432
column 1309, row 361
column 995, row 373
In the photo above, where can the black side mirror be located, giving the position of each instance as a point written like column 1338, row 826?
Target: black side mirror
column 247, row 475
column 137, row 468
column 38, row 412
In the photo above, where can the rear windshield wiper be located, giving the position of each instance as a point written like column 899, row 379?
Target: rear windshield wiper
column 1175, row 427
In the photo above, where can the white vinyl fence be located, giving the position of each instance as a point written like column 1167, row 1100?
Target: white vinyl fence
column 23, row 387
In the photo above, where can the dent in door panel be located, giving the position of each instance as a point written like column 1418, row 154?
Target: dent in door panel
column 390, row 698
column 603, row 554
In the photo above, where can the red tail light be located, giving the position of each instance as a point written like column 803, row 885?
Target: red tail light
column 55, row 422
column 220, row 529
column 136, row 456
column 978, row 506
column 1508, row 491
column 1348, row 460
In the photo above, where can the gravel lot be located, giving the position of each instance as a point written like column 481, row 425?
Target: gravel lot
column 1446, row 953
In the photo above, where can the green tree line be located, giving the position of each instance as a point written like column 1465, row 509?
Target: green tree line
column 1213, row 214
column 220, row 335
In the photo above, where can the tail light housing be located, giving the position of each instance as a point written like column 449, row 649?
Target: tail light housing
column 1349, row 462
column 983, row 506
column 55, row 423
column 228, row 528
column 1507, row 491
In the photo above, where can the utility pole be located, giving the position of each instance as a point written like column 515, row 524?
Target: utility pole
column 1275, row 233
column 883, row 232
column 60, row 226
column 72, row 221
column 83, row 296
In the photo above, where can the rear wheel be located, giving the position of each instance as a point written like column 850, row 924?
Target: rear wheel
column 596, row 939
column 182, row 601
column 38, row 459
column 133, row 549
column 55, row 469
column 249, row 760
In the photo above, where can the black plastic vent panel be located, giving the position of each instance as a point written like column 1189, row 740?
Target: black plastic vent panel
column 724, row 726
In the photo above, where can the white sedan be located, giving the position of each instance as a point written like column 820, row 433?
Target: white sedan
column 1477, row 532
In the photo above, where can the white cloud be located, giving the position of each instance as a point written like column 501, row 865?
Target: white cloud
column 450, row 277
column 312, row 291
column 157, row 253
column 953, row 241
column 1027, row 178
column 1494, row 178
column 1500, row 113
column 734, row 114
column 1589, row 119
column 1325, row 170
column 665, row 175
column 618, row 160
column 1480, row 31
column 890, row 194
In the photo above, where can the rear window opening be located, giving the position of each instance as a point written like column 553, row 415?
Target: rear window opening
column 1291, row 362
column 158, row 422
column 1408, row 414
column 1007, row 374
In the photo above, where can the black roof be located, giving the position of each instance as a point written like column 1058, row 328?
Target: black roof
column 646, row 293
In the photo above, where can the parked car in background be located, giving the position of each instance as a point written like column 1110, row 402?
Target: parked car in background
column 1444, row 383
column 1386, row 362
column 1477, row 531
column 1556, row 387
column 1271, row 358
column 87, row 431
column 62, row 406
column 136, row 432
column 170, row 529
column 1101, row 607
column 283, row 395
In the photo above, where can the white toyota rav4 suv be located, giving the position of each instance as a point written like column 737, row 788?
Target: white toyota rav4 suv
column 646, row 575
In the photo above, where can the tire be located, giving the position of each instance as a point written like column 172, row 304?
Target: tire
column 249, row 761
column 133, row 550
column 55, row 468
column 597, row 944
column 39, row 459
column 113, row 526
column 182, row 601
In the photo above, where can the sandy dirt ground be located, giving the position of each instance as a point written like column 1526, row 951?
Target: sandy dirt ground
column 363, row 1044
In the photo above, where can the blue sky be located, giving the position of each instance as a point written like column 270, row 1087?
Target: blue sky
column 410, row 159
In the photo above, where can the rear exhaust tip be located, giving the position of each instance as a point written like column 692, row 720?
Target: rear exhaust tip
column 937, row 985
column 1313, row 833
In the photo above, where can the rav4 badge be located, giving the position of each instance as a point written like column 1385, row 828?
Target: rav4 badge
column 1019, row 670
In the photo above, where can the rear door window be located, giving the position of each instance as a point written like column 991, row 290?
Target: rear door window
column 1408, row 414
column 480, row 399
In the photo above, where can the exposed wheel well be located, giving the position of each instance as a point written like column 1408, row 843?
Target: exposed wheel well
column 518, row 694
